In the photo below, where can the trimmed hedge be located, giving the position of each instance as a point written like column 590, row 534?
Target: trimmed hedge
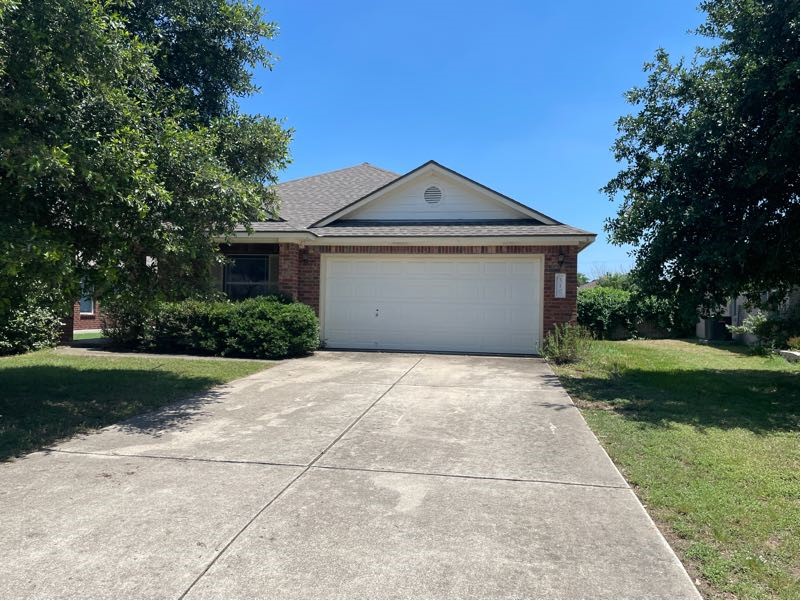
column 264, row 328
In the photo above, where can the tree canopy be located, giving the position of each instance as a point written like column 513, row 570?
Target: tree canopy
column 122, row 148
column 709, row 187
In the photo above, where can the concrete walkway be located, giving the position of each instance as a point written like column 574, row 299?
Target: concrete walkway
column 343, row 475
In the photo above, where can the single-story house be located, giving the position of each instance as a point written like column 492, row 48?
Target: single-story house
column 427, row 261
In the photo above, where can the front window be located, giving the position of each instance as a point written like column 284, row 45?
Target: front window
column 87, row 304
column 246, row 276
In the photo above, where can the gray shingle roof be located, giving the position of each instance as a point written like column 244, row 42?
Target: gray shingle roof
column 308, row 200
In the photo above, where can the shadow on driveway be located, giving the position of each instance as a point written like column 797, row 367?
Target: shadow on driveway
column 40, row 404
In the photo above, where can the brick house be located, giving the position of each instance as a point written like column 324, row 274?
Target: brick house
column 427, row 261
column 86, row 314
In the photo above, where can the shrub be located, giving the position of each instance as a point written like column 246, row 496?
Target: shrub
column 29, row 328
column 125, row 319
column 793, row 343
column 613, row 312
column 567, row 343
column 772, row 330
column 606, row 312
column 264, row 327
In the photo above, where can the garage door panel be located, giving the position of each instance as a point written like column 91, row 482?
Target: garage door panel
column 488, row 304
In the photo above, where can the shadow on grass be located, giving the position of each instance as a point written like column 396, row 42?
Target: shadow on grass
column 761, row 401
column 41, row 404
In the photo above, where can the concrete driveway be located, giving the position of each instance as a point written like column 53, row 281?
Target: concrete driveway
column 343, row 475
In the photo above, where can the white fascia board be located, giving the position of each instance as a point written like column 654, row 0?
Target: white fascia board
column 580, row 241
column 309, row 239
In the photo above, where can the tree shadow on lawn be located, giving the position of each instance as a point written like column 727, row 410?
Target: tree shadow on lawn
column 42, row 404
column 761, row 401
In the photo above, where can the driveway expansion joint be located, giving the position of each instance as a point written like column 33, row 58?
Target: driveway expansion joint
column 198, row 459
column 469, row 477
column 292, row 481
column 492, row 388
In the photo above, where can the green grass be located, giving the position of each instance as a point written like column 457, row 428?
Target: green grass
column 47, row 396
column 709, row 438
column 87, row 335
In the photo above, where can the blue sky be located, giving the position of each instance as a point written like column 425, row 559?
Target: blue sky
column 519, row 95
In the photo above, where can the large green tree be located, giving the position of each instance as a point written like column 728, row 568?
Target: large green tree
column 709, row 188
column 122, row 148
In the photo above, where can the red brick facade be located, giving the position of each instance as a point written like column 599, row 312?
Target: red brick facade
column 299, row 271
column 82, row 321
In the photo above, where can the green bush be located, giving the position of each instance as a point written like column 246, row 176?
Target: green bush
column 264, row 327
column 612, row 312
column 619, row 281
column 606, row 312
column 567, row 343
column 772, row 330
column 29, row 328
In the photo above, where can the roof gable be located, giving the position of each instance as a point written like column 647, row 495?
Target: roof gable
column 462, row 199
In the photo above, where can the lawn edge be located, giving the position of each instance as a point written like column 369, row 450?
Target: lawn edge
column 89, row 431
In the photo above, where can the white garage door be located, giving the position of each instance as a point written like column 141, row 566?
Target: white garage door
column 470, row 304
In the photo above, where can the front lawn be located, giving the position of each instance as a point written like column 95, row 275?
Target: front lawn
column 708, row 436
column 46, row 395
column 87, row 335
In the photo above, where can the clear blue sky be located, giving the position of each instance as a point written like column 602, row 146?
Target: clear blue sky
column 519, row 95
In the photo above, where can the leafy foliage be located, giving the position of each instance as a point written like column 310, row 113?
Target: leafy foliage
column 710, row 184
column 620, row 310
column 263, row 327
column 772, row 330
column 30, row 327
column 567, row 343
column 619, row 281
column 605, row 312
column 122, row 151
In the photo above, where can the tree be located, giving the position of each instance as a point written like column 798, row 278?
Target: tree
column 122, row 149
column 617, row 280
column 582, row 278
column 710, row 183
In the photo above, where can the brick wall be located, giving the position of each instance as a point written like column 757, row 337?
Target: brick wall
column 299, row 271
column 86, row 322
column 288, row 269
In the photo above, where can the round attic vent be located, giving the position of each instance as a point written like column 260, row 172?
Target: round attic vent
column 432, row 195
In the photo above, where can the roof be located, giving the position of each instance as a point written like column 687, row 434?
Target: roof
column 308, row 200
column 465, row 228
column 307, row 205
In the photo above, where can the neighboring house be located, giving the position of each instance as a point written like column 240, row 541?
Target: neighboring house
column 86, row 314
column 734, row 313
column 588, row 285
column 426, row 261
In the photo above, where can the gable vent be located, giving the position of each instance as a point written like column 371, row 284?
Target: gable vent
column 432, row 195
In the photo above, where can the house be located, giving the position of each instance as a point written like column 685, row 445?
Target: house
column 735, row 312
column 86, row 314
column 427, row 261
